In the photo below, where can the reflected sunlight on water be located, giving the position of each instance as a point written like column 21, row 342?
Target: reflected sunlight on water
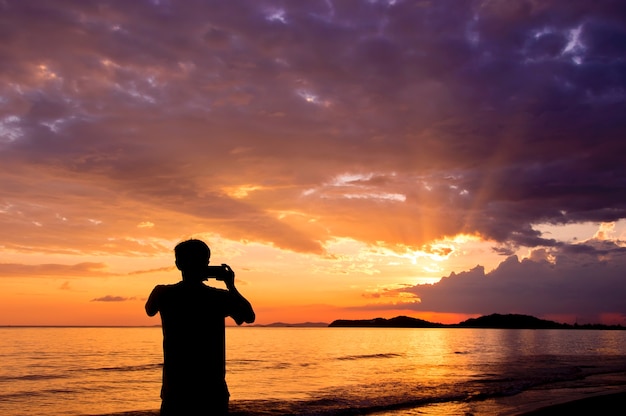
column 73, row 371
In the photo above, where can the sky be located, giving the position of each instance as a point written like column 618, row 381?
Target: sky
column 348, row 159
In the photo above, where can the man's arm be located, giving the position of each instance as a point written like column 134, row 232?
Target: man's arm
column 152, row 305
column 241, row 309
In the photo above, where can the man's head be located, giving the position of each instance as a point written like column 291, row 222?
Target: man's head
column 192, row 256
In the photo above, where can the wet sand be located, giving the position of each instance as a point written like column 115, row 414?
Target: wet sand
column 604, row 392
column 605, row 404
column 599, row 394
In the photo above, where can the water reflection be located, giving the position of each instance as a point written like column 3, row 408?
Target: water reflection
column 100, row 370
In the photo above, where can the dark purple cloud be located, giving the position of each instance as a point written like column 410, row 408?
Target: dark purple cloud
column 585, row 281
column 518, row 105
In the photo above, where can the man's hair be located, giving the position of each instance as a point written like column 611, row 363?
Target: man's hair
column 192, row 253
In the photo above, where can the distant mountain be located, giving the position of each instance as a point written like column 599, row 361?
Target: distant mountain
column 496, row 321
column 512, row 321
column 397, row 322
column 298, row 325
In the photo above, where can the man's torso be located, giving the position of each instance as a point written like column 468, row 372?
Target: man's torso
column 193, row 337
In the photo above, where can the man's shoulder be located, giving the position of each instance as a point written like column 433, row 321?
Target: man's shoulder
column 186, row 287
column 215, row 290
column 184, row 290
column 166, row 286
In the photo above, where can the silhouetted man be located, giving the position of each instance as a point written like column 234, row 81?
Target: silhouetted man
column 194, row 348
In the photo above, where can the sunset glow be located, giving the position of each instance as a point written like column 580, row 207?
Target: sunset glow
column 430, row 159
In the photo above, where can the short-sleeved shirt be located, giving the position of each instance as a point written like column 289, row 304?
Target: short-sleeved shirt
column 192, row 317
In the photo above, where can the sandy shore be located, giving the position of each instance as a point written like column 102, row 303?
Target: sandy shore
column 605, row 404
column 600, row 391
column 566, row 399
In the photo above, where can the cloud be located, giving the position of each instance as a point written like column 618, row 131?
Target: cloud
column 157, row 270
column 584, row 280
column 46, row 270
column 111, row 298
column 482, row 118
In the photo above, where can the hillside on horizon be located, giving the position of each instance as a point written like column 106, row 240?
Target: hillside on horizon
column 494, row 321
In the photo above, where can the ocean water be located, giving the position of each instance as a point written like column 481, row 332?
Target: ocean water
column 313, row 371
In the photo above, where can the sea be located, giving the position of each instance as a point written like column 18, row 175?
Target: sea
column 316, row 370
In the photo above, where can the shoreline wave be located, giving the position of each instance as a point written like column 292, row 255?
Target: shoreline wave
column 569, row 405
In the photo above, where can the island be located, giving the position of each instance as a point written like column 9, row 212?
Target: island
column 397, row 322
column 494, row 321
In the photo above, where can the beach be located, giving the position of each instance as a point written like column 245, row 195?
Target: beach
column 584, row 396
column 610, row 403
column 606, row 392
